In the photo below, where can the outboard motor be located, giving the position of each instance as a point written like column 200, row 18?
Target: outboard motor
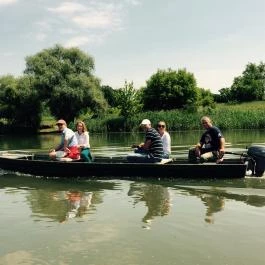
column 257, row 153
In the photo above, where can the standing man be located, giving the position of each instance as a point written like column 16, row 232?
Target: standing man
column 68, row 146
column 151, row 150
column 211, row 146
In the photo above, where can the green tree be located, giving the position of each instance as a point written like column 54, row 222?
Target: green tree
column 128, row 100
column 110, row 95
column 64, row 79
column 251, row 85
column 169, row 89
column 8, row 94
column 224, row 95
column 19, row 103
column 206, row 99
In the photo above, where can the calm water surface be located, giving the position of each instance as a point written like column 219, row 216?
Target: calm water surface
column 77, row 221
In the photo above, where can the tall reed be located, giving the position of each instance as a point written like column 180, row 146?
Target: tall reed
column 239, row 116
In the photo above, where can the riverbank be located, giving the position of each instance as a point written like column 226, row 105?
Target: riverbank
column 226, row 116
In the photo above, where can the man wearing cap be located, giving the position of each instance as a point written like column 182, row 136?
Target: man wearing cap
column 152, row 149
column 68, row 146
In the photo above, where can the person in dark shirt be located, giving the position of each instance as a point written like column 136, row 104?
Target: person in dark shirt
column 211, row 145
column 151, row 150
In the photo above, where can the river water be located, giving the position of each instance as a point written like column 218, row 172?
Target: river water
column 124, row 222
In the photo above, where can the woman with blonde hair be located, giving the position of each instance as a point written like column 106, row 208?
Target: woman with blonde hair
column 82, row 136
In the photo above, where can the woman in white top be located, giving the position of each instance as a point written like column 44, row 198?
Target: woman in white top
column 83, row 141
column 166, row 140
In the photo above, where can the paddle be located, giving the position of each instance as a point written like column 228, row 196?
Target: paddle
column 239, row 154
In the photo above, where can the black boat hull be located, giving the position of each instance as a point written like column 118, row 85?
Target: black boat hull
column 113, row 168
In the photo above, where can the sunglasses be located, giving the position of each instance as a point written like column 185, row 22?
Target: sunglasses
column 59, row 124
column 161, row 126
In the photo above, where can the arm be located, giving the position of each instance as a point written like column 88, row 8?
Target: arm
column 58, row 147
column 65, row 145
column 146, row 145
column 221, row 150
column 87, row 140
column 222, row 144
column 167, row 143
column 69, row 136
column 198, row 147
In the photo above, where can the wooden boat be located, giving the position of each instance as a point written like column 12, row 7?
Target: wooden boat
column 118, row 167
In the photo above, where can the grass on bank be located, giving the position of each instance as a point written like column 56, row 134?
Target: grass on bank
column 249, row 115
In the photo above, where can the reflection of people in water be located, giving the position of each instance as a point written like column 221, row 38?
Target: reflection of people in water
column 156, row 197
column 214, row 204
column 213, row 199
column 78, row 203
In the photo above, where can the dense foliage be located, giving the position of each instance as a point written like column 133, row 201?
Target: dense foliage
column 110, row 95
column 169, row 89
column 20, row 106
column 128, row 100
column 249, row 86
column 63, row 78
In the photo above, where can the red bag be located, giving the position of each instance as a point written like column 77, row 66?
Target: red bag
column 74, row 152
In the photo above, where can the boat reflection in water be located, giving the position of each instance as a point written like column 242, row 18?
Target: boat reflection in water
column 63, row 199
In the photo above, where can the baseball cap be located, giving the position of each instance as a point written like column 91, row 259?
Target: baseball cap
column 145, row 122
column 61, row 122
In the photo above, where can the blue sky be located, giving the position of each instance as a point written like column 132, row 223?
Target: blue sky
column 131, row 39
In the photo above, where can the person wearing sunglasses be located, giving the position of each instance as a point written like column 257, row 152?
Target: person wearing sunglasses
column 68, row 147
column 165, row 137
column 211, row 146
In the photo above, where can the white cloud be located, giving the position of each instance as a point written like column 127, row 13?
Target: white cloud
column 134, row 2
column 83, row 40
column 68, row 8
column 7, row 2
column 95, row 15
column 94, row 20
column 77, row 41
column 41, row 36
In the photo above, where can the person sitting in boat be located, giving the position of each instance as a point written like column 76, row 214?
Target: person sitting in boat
column 68, row 147
column 82, row 136
column 211, row 145
column 165, row 137
column 151, row 150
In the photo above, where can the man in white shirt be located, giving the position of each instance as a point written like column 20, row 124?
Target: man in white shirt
column 68, row 146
